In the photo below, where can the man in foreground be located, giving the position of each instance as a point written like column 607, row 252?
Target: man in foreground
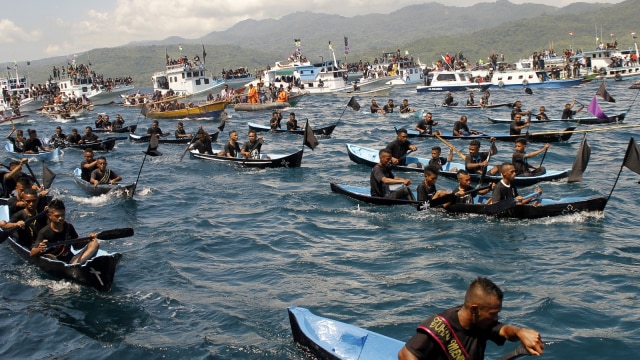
column 381, row 177
column 462, row 332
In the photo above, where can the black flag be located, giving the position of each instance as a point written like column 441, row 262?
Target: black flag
column 152, row 150
column 353, row 103
column 144, row 110
column 223, row 121
column 602, row 92
column 310, row 140
column 47, row 176
column 632, row 157
column 581, row 161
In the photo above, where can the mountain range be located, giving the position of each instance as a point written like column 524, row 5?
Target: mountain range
column 426, row 30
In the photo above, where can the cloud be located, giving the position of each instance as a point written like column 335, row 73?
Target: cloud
column 11, row 33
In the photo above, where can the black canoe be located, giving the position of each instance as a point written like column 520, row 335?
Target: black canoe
column 548, row 208
column 490, row 106
column 327, row 130
column 125, row 190
column 265, row 161
column 165, row 140
column 369, row 157
column 102, row 145
column 588, row 120
column 364, row 195
column 97, row 272
column 545, row 137
column 124, row 130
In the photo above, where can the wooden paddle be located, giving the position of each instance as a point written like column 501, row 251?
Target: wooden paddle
column 4, row 235
column 103, row 235
column 450, row 146
column 452, row 196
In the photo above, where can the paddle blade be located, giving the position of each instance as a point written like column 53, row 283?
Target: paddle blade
column 223, row 121
column 581, row 161
column 152, row 150
column 445, row 199
column 47, row 176
column 115, row 234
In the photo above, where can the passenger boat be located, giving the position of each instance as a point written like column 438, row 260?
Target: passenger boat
column 547, row 207
column 95, row 89
column 126, row 190
column 547, row 136
column 327, row 130
column 271, row 105
column 53, row 155
column 97, row 272
column 331, row 339
column 451, row 81
column 538, row 79
column 608, row 64
column 369, row 157
column 400, row 69
column 265, row 160
column 103, row 145
column 363, row 194
column 201, row 110
column 165, row 140
column 587, row 120
column 20, row 88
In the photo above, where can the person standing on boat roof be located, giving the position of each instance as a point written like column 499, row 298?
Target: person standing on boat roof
column 381, row 177
column 102, row 174
column 88, row 165
column 232, row 148
column 89, row 136
column 375, row 108
column 568, row 111
column 274, row 123
column 404, row 108
column 517, row 125
column 388, row 108
column 292, row 124
column 251, row 148
column 156, row 130
column 477, row 162
column 399, row 147
column 519, row 159
column 467, row 328
column 59, row 230
column 505, row 191
column 425, row 126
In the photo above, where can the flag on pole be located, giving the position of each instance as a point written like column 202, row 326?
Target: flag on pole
column 310, row 140
column 581, row 161
column 602, row 92
column 353, row 103
column 346, row 45
column 330, row 46
column 166, row 55
column 632, row 157
column 204, row 54
column 152, row 149
column 595, row 109
column 47, row 176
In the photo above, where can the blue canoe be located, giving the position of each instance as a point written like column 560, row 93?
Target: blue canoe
column 53, row 155
column 331, row 339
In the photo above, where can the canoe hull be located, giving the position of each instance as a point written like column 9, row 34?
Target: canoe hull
column 545, row 137
column 327, row 130
column 286, row 161
column 213, row 110
column 334, row 340
column 124, row 130
column 364, row 195
column 53, row 155
column 548, row 208
column 161, row 140
column 98, row 272
column 585, row 120
column 118, row 189
column 105, row 145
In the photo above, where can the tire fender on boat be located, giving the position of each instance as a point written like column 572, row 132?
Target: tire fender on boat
column 525, row 82
column 500, row 83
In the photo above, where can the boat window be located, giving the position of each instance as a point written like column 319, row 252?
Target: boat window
column 197, row 81
column 520, row 77
column 509, row 77
column 183, row 75
column 188, row 75
column 84, row 89
column 446, row 77
column 206, row 81
column 530, row 76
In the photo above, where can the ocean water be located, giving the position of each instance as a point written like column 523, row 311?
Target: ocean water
column 220, row 252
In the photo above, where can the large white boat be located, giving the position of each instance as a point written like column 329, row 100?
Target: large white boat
column 81, row 83
column 18, row 89
column 452, row 81
column 190, row 77
column 530, row 79
column 610, row 64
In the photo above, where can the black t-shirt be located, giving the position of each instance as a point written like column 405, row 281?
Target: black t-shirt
column 503, row 192
column 423, row 346
column 568, row 113
column 231, row 149
column 519, row 161
column 62, row 253
column 378, row 188
column 32, row 145
column 86, row 172
column 90, row 138
column 460, row 127
column 399, row 150
column 27, row 236
column 513, row 130
column 425, row 193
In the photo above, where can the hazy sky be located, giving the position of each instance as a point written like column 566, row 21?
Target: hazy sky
column 36, row 29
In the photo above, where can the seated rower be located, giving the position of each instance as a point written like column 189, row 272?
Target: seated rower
column 476, row 161
column 437, row 161
column 568, row 113
column 425, row 126
column 448, row 100
column 519, row 159
column 427, row 188
column 203, row 144
column 464, row 188
column 375, row 109
column 251, row 148
column 460, row 128
column 398, row 148
column 59, row 230
column 505, row 191
column 180, row 133
column 89, row 136
column 103, row 175
column 381, row 177
column 404, row 108
column 232, row 148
